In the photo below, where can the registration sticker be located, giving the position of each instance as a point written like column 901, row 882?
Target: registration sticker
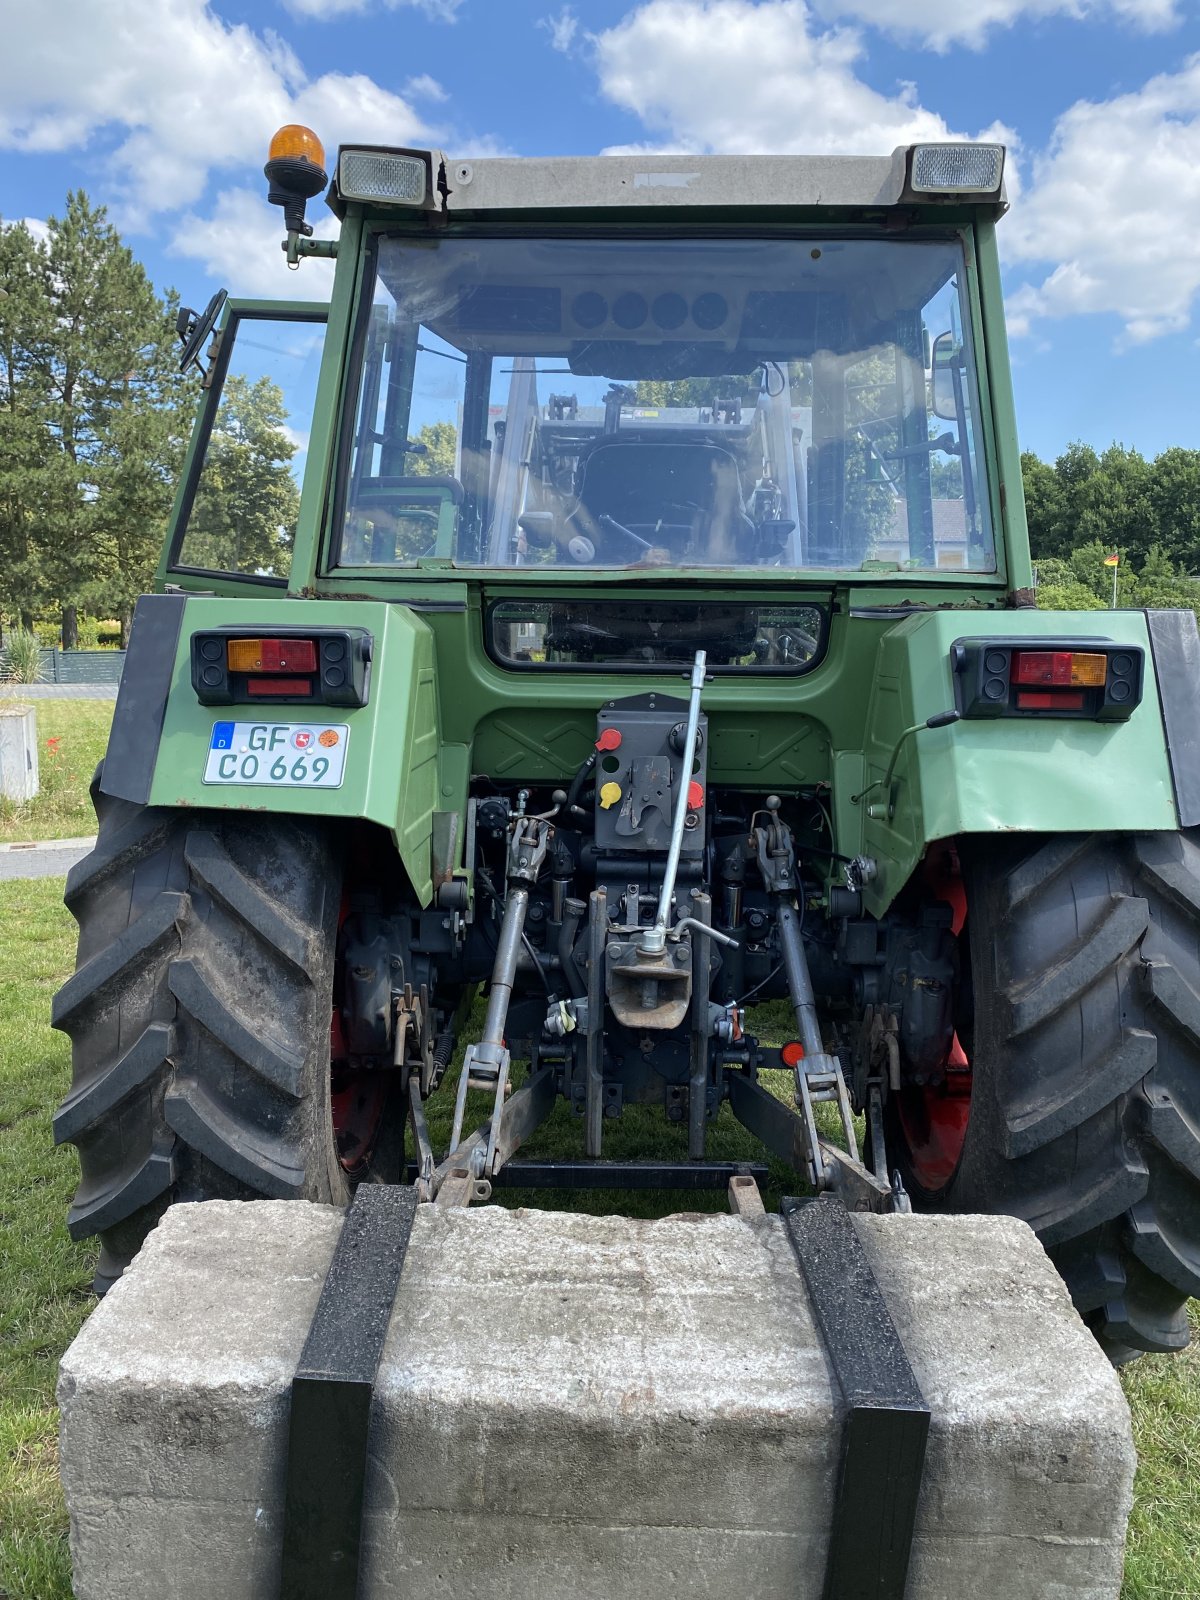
column 282, row 755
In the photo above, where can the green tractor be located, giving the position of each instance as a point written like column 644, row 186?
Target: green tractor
column 653, row 635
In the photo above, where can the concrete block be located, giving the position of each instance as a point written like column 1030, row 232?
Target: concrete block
column 583, row 1408
column 18, row 752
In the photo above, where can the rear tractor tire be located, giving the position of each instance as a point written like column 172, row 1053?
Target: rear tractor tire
column 199, row 1017
column 1080, row 1060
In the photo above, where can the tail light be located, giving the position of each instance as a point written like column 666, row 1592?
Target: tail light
column 271, row 655
column 319, row 666
column 1092, row 679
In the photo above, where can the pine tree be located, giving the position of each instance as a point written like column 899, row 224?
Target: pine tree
column 34, row 485
column 116, row 411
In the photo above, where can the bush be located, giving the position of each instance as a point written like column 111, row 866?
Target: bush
column 21, row 658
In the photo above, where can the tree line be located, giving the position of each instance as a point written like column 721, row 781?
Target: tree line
column 1089, row 505
column 94, row 417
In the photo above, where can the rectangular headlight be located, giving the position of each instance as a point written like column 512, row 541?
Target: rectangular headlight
column 957, row 168
column 377, row 175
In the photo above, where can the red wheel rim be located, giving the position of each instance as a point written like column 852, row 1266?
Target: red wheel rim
column 933, row 1117
column 357, row 1095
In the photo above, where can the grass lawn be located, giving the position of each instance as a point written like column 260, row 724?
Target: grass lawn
column 44, row 1277
column 71, row 736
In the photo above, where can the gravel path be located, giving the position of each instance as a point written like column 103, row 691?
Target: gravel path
column 49, row 858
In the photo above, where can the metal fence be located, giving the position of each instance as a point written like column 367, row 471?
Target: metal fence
column 82, row 666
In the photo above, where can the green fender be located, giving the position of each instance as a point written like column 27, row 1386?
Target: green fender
column 392, row 762
column 993, row 775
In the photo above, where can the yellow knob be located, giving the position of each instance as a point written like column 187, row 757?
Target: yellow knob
column 610, row 793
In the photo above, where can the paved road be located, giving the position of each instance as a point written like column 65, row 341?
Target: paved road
column 58, row 691
column 52, row 859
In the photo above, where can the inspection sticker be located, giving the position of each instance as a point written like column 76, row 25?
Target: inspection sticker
column 281, row 755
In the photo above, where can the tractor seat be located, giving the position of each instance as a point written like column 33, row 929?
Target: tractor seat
column 681, row 496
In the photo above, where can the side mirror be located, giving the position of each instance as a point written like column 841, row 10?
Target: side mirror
column 947, row 360
column 193, row 329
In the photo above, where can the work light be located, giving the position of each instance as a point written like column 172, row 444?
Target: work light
column 957, row 168
column 383, row 175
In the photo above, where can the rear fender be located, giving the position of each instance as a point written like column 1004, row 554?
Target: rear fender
column 161, row 734
column 1040, row 775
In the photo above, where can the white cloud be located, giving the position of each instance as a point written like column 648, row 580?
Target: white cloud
column 562, row 29
column 939, row 27
column 323, row 10
column 239, row 245
column 423, row 87
column 735, row 76
column 1114, row 205
column 35, row 226
column 176, row 90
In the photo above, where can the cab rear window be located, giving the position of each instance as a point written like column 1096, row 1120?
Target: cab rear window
column 647, row 635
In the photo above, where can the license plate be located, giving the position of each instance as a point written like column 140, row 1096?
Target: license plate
column 282, row 755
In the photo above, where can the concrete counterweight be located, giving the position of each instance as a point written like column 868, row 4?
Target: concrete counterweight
column 581, row 1408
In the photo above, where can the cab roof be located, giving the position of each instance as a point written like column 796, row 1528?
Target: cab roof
column 645, row 180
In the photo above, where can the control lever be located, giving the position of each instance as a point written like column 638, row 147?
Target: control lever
column 653, row 941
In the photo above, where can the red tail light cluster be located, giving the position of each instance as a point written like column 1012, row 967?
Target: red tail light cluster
column 323, row 666
column 1093, row 679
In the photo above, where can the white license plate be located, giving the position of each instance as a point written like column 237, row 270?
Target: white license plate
column 282, row 755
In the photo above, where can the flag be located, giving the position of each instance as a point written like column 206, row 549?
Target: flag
column 1113, row 560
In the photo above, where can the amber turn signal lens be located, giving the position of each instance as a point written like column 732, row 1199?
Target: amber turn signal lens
column 298, row 142
column 1088, row 671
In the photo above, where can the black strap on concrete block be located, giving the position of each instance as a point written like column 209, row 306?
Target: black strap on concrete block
column 887, row 1418
column 331, row 1397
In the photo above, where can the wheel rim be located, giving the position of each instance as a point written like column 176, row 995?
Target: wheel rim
column 933, row 1117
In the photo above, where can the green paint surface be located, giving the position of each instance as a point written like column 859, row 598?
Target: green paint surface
column 392, row 755
column 1042, row 775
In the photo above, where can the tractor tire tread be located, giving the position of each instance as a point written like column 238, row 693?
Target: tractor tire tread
column 213, row 867
column 1031, row 1124
column 100, row 981
column 1086, row 976
column 96, row 1097
column 265, row 1164
column 198, row 1016
column 209, row 1000
column 128, row 1191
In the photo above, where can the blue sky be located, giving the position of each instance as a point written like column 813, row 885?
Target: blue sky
column 162, row 109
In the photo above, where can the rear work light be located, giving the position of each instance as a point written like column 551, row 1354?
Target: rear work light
column 1089, row 679
column 321, row 666
column 388, row 176
column 957, row 168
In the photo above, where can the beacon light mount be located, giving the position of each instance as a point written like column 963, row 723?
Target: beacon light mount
column 295, row 172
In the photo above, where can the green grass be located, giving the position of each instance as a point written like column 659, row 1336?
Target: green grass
column 71, row 736
column 44, row 1277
